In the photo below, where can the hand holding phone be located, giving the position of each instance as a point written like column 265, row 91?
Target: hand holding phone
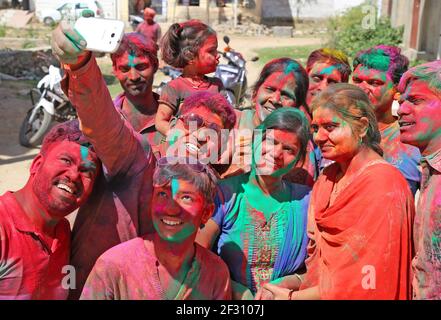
column 102, row 35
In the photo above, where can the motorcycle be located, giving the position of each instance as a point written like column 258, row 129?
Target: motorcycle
column 135, row 21
column 232, row 75
column 49, row 104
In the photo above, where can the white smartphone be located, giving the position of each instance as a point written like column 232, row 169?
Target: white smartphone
column 102, row 35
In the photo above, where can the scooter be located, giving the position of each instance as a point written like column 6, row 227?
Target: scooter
column 49, row 104
column 232, row 75
column 135, row 21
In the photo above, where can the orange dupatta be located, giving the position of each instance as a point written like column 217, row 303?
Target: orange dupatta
column 361, row 245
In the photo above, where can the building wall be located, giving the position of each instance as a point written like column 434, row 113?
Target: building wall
column 430, row 30
column 427, row 32
column 109, row 6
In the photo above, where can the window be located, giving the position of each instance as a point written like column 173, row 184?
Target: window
column 188, row 2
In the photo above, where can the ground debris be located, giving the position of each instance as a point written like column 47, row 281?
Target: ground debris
column 23, row 64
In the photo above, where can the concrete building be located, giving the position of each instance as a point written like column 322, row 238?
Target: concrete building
column 422, row 26
column 276, row 12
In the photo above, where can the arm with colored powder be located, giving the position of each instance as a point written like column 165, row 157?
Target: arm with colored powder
column 208, row 235
column 279, row 293
column 115, row 142
column 162, row 118
column 168, row 106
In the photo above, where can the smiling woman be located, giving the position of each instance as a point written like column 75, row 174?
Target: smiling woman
column 260, row 218
column 361, row 208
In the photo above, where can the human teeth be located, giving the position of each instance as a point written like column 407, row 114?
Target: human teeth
column 191, row 147
column 171, row 223
column 64, row 187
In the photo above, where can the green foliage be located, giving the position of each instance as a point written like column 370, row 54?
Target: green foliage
column 2, row 31
column 28, row 44
column 349, row 34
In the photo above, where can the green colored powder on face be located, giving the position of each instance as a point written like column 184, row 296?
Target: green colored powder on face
column 131, row 61
column 328, row 70
column 174, row 185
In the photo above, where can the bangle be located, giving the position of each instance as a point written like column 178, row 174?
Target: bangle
column 298, row 277
column 290, row 294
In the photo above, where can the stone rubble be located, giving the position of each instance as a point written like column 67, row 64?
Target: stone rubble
column 26, row 65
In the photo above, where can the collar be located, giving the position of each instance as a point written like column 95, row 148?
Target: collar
column 118, row 103
column 434, row 160
column 19, row 218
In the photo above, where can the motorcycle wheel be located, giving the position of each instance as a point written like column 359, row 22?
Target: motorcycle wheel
column 31, row 134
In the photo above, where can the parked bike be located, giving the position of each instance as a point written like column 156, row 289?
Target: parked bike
column 233, row 75
column 49, row 104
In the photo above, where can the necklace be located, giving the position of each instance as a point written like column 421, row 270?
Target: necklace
column 196, row 84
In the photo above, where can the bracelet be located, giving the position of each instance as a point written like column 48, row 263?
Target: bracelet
column 298, row 277
column 290, row 294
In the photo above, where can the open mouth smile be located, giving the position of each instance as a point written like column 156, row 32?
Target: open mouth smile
column 171, row 222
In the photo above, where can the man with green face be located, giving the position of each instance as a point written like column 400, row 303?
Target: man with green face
column 377, row 71
column 420, row 126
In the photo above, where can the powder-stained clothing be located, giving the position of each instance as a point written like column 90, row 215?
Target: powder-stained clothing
column 174, row 93
column 360, row 245
column 129, row 271
column 427, row 231
column 259, row 249
column 404, row 157
column 146, row 128
column 242, row 138
column 118, row 208
column 150, row 31
column 30, row 266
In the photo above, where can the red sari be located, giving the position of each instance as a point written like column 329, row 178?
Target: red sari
column 361, row 245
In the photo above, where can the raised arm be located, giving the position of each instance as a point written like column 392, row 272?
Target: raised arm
column 116, row 143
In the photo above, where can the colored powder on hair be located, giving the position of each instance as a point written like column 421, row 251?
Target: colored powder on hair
column 376, row 59
column 291, row 67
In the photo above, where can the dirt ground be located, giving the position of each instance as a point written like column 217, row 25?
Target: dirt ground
column 14, row 103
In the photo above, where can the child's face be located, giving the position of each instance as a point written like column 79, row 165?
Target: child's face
column 208, row 58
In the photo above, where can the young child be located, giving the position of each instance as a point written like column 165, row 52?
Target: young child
column 192, row 46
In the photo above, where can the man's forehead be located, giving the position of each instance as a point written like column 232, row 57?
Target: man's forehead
column 71, row 148
column 418, row 86
column 131, row 57
column 363, row 71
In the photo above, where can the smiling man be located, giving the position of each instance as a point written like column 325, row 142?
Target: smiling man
column 377, row 71
column 167, row 265
column 420, row 125
column 34, row 235
column 134, row 65
column 119, row 208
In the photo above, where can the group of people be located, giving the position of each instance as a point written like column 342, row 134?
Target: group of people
column 309, row 194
